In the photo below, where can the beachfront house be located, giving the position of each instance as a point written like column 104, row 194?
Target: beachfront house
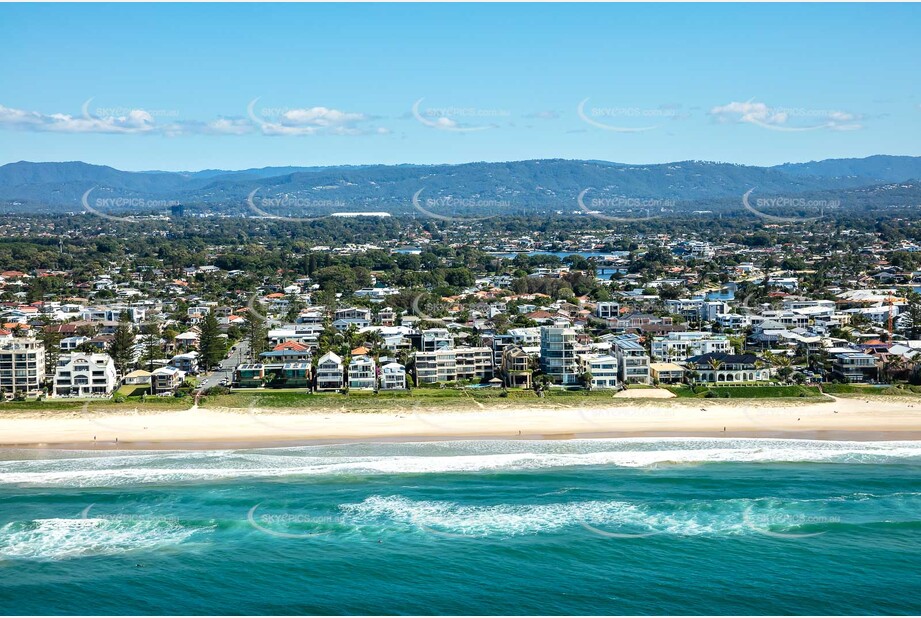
column 720, row 367
column 516, row 367
column 855, row 367
column 166, row 380
column 249, row 375
column 603, row 370
column 362, row 373
column 393, row 377
column 84, row 375
column 329, row 372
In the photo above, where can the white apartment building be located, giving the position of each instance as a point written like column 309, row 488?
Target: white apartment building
column 306, row 334
column 603, row 369
column 733, row 321
column 85, row 375
column 22, row 366
column 607, row 309
column 357, row 316
column 362, row 373
column 677, row 346
column 632, row 360
column 525, row 336
column 697, row 308
column 475, row 363
column 558, row 354
column 436, row 339
column 454, row 364
column 436, row 366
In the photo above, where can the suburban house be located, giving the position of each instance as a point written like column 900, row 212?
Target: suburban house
column 186, row 362
column 138, row 377
column 357, row 316
column 287, row 352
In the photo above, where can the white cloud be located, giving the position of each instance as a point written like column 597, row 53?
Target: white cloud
column 308, row 121
column 785, row 119
column 312, row 121
column 135, row 121
column 747, row 112
column 445, row 122
column 321, row 117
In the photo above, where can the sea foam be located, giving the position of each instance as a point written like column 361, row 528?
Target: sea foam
column 429, row 458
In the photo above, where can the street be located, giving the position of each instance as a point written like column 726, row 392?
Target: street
column 212, row 379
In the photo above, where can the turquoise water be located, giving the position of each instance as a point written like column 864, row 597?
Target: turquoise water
column 636, row 526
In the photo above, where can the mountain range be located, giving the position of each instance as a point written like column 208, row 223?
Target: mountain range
column 518, row 187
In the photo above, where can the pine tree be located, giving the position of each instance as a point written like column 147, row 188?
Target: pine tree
column 51, row 340
column 256, row 333
column 210, row 345
column 121, row 348
column 152, row 351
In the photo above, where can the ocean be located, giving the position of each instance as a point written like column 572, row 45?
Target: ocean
column 613, row 526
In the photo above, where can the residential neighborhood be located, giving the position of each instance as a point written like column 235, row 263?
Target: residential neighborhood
column 589, row 309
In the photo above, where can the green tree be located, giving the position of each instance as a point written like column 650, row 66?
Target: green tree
column 122, row 347
column 255, row 332
column 211, row 345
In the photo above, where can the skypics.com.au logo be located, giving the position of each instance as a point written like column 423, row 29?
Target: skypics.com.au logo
column 272, row 207
column 787, row 204
column 430, row 207
column 458, row 119
column 100, row 205
column 628, row 209
column 625, row 119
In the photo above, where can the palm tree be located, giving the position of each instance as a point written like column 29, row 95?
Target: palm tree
column 783, row 366
column 692, row 373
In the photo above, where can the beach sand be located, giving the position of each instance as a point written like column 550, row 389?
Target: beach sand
column 200, row 428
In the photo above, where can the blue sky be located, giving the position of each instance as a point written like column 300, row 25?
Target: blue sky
column 188, row 87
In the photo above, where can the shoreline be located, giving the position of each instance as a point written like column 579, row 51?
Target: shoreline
column 225, row 428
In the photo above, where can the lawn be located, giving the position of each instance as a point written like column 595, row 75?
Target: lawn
column 367, row 400
column 746, row 392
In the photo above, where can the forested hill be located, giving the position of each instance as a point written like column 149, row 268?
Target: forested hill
column 520, row 187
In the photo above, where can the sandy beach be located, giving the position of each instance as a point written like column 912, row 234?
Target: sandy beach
column 201, row 428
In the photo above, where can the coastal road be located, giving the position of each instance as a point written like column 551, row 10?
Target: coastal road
column 227, row 366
